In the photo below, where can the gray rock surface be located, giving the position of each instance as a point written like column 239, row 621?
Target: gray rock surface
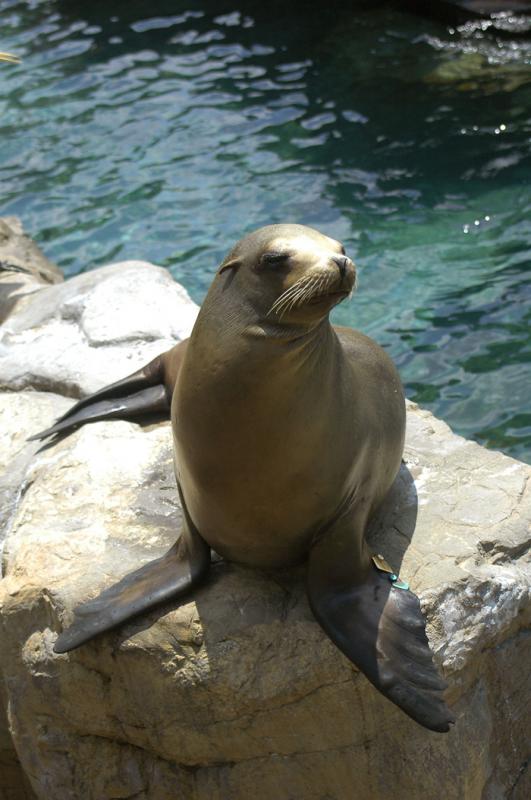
column 23, row 267
column 236, row 693
column 97, row 327
column 19, row 415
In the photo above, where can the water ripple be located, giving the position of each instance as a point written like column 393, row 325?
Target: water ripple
column 166, row 137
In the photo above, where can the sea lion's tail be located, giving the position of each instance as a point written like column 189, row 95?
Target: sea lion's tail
column 147, row 391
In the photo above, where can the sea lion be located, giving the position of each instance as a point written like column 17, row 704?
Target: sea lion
column 288, row 433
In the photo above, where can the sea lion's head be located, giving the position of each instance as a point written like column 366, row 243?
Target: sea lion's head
column 289, row 273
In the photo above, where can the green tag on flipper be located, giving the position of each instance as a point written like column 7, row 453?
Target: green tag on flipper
column 398, row 584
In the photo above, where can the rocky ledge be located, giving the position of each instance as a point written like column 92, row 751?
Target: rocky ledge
column 236, row 693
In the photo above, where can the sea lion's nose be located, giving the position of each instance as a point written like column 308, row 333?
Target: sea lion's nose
column 342, row 262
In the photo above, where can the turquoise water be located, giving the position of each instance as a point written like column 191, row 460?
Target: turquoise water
column 165, row 132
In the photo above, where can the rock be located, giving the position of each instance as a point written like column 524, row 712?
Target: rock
column 92, row 330
column 235, row 692
column 458, row 12
column 14, row 784
column 487, row 7
column 23, row 267
column 473, row 72
column 19, row 415
column 53, row 333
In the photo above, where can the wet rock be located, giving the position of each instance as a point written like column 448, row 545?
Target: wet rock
column 472, row 72
column 235, row 692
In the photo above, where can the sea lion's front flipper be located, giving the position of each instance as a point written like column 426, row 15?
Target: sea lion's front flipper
column 147, row 391
column 377, row 625
column 175, row 573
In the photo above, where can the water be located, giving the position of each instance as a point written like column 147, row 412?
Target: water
column 166, row 133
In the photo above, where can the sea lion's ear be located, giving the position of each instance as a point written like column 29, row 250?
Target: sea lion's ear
column 234, row 263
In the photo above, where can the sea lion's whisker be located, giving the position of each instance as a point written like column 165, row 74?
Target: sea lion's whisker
column 306, row 290
column 301, row 291
column 285, row 297
column 280, row 307
column 354, row 287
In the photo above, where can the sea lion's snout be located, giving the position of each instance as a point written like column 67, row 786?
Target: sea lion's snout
column 347, row 272
column 316, row 275
column 321, row 287
column 342, row 262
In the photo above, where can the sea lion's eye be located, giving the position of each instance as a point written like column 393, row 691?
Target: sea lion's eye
column 274, row 258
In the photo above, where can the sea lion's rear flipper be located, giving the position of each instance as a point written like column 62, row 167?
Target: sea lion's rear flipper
column 376, row 624
column 146, row 391
column 146, row 401
column 175, row 573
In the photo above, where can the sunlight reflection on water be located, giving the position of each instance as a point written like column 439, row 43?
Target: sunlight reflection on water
column 168, row 137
